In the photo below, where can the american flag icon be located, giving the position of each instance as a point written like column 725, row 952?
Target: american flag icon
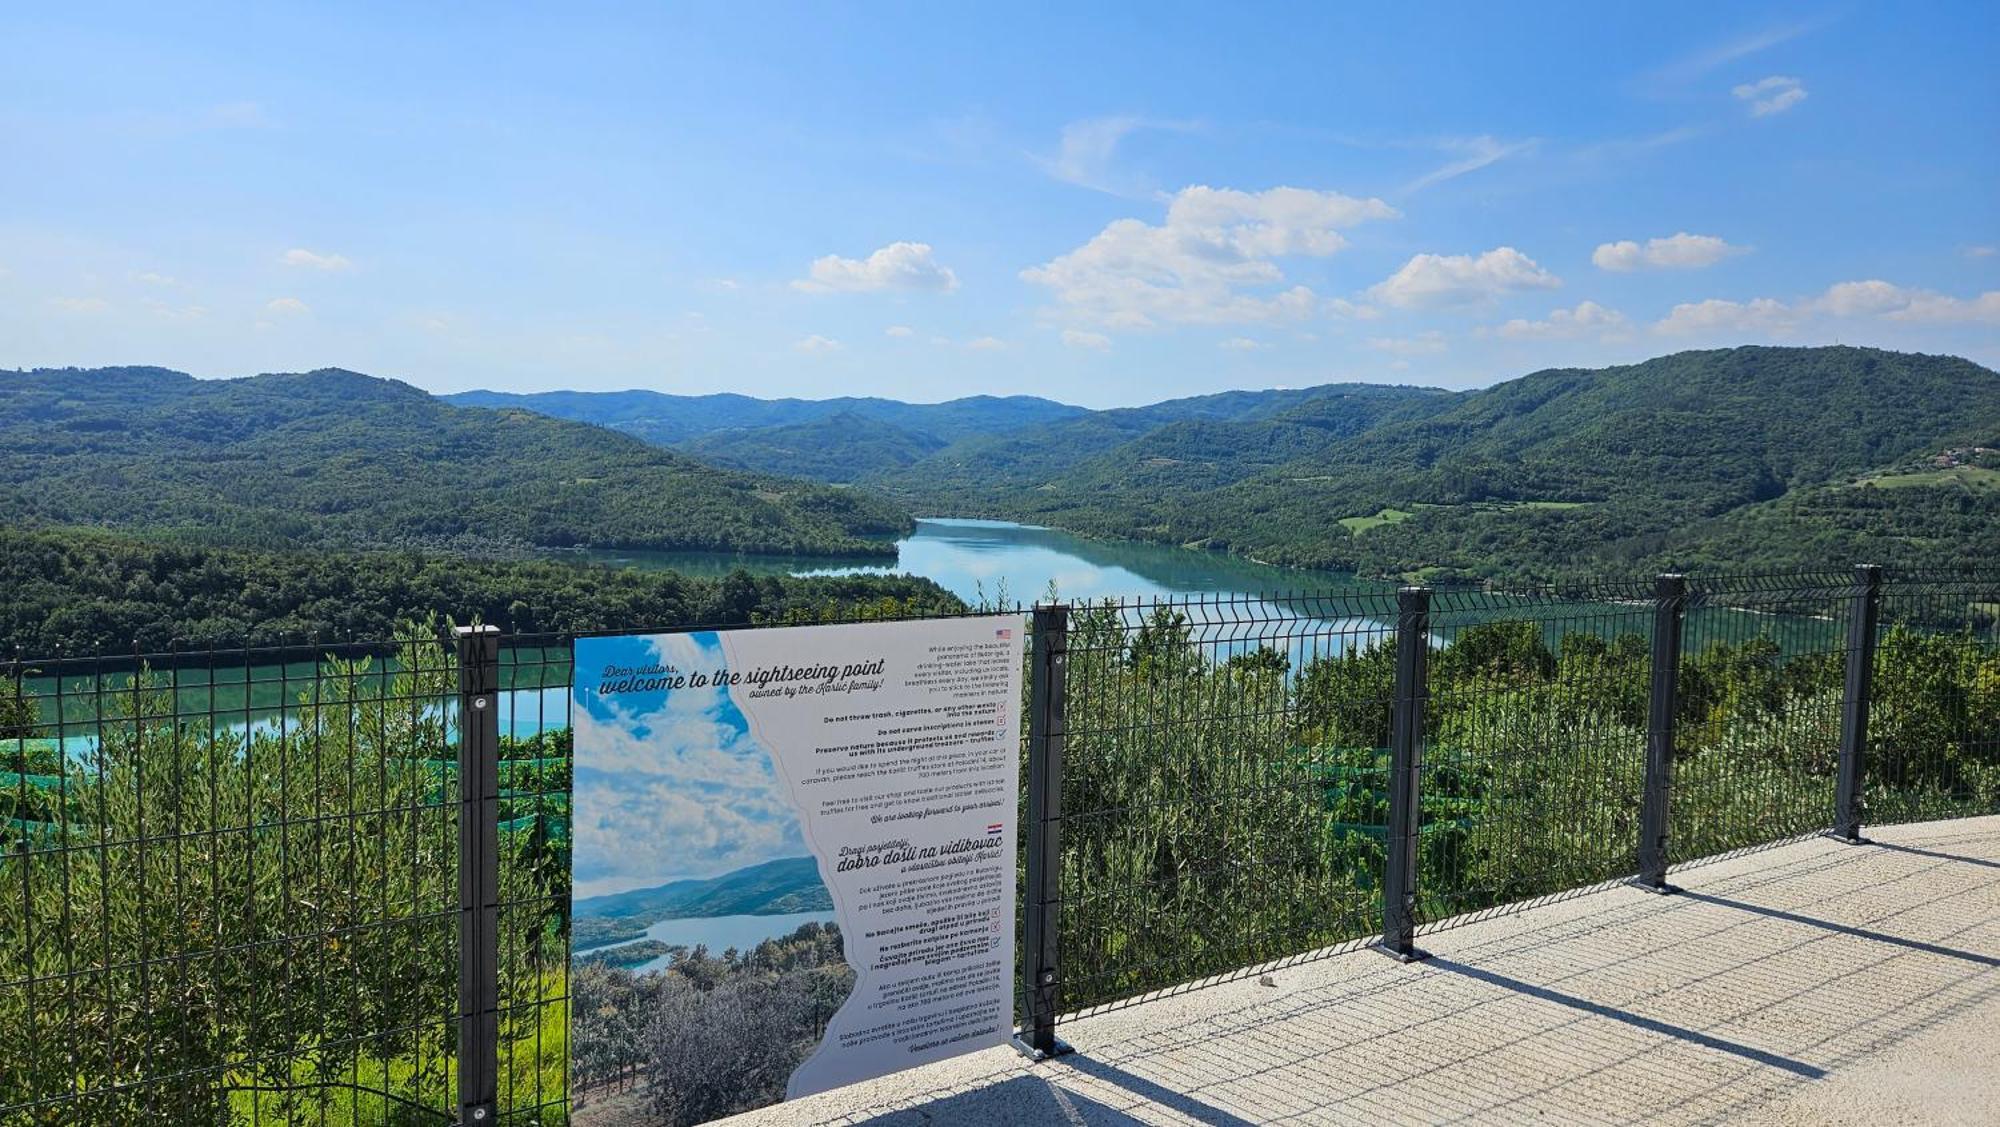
column 1005, row 633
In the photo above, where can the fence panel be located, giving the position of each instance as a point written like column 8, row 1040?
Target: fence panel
column 1535, row 758
column 1757, row 747
column 1224, row 786
column 1934, row 732
column 230, row 888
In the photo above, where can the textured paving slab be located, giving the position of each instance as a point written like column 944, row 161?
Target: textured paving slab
column 1805, row 984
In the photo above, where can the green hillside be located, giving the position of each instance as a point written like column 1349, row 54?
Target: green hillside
column 674, row 420
column 1126, row 460
column 840, row 448
column 1567, row 472
column 335, row 458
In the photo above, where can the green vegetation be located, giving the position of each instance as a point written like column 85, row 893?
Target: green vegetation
column 1363, row 524
column 290, row 890
column 1229, row 814
column 333, row 459
column 839, row 448
column 83, row 593
column 681, row 420
column 1969, row 477
column 1737, row 458
column 1129, row 460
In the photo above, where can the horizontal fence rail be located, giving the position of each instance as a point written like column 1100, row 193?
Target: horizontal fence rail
column 331, row 883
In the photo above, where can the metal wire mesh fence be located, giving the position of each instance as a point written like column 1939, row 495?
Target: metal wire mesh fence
column 1758, row 711
column 230, row 882
column 229, row 888
column 1933, row 748
column 1535, row 745
column 1223, row 779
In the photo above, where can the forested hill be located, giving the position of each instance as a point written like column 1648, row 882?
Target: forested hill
column 1736, row 457
column 673, row 420
column 1126, row 461
column 334, row 458
column 958, row 451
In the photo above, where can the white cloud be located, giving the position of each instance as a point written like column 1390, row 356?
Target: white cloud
column 898, row 266
column 1861, row 299
column 299, row 256
column 1674, row 252
column 1587, row 319
column 1435, row 281
column 1242, row 344
column 1423, row 344
column 1872, row 298
column 1941, row 309
column 1077, row 338
column 1212, row 261
column 816, row 343
column 986, row 344
column 899, row 331
column 80, row 304
column 287, row 305
column 1983, row 250
column 1761, row 315
column 1767, row 96
column 1474, row 153
column 148, row 277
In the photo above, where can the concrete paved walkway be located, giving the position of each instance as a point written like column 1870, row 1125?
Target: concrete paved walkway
column 1805, row 984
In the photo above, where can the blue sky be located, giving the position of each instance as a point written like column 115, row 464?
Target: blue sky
column 1105, row 208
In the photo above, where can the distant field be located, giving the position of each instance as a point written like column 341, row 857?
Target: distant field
column 1971, row 477
column 1359, row 525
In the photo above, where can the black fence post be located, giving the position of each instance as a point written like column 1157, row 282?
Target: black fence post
column 1041, row 959
column 1864, row 612
column 1406, row 750
column 478, row 874
column 1669, row 606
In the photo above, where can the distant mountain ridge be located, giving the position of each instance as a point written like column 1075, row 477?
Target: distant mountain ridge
column 1723, row 458
column 670, row 420
column 338, row 459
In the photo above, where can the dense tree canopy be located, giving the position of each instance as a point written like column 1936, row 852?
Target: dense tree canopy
column 70, row 592
column 337, row 459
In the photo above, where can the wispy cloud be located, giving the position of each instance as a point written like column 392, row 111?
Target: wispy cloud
column 1692, row 67
column 1775, row 94
column 1470, row 154
column 1085, row 156
column 1423, row 344
column 332, row 263
column 816, row 344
